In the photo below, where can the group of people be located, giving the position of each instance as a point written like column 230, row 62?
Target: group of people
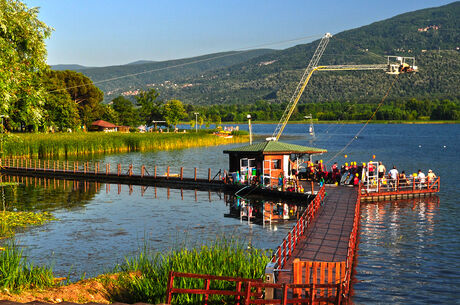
column 353, row 173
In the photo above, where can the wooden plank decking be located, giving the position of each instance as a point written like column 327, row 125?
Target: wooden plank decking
column 327, row 237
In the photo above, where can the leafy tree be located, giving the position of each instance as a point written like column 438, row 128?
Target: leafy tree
column 23, row 59
column 151, row 109
column 61, row 112
column 127, row 114
column 84, row 94
column 110, row 115
column 174, row 112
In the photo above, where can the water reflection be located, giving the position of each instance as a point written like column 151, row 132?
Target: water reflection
column 262, row 212
column 397, row 252
column 29, row 193
column 100, row 224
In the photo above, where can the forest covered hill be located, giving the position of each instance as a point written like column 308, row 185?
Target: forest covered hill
column 431, row 35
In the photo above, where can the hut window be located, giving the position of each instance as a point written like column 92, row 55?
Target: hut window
column 276, row 164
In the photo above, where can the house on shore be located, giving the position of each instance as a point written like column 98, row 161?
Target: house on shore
column 101, row 125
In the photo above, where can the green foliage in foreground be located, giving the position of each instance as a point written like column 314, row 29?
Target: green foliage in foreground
column 10, row 221
column 64, row 144
column 223, row 257
column 17, row 274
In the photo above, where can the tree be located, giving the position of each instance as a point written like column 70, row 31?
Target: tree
column 60, row 111
column 174, row 112
column 23, row 59
column 127, row 114
column 86, row 96
column 150, row 109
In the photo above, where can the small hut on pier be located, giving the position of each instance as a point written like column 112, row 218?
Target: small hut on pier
column 269, row 160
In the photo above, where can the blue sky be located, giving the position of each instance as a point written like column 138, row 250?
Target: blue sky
column 113, row 32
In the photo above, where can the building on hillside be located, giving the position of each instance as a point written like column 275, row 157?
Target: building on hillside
column 269, row 160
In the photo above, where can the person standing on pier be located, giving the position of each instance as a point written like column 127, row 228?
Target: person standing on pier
column 381, row 170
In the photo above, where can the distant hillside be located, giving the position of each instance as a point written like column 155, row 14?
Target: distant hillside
column 165, row 71
column 431, row 35
column 68, row 67
column 139, row 62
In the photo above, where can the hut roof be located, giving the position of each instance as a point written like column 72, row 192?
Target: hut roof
column 102, row 123
column 275, row 147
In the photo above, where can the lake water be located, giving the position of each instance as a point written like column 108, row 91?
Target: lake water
column 408, row 251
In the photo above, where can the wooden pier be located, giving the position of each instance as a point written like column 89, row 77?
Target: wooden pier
column 84, row 171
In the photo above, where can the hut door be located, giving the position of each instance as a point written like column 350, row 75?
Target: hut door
column 267, row 172
column 246, row 166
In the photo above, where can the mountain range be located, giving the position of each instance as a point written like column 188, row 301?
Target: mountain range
column 430, row 35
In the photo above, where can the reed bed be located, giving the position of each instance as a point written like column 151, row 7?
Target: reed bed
column 143, row 278
column 73, row 144
column 16, row 274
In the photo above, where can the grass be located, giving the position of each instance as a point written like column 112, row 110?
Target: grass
column 16, row 274
column 64, row 144
column 10, row 221
column 143, row 278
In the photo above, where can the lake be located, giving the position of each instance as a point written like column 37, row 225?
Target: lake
column 408, row 251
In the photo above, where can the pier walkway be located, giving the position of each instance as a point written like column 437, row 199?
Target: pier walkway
column 327, row 237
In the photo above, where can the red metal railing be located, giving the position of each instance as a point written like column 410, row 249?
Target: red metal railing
column 352, row 245
column 410, row 185
column 249, row 291
column 289, row 242
column 238, row 293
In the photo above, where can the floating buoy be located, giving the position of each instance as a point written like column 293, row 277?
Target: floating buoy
column 373, row 156
column 346, row 156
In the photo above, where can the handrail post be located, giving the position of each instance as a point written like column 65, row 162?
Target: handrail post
column 155, row 171
column 181, row 173
column 167, row 173
column 118, row 169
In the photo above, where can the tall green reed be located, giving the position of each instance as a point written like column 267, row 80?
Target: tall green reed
column 65, row 144
column 17, row 274
column 222, row 257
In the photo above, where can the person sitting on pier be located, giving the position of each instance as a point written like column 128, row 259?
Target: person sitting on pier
column 403, row 179
column 421, row 179
column 430, row 176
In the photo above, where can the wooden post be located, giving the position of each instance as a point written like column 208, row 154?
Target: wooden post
column 195, row 173
column 130, row 169
column 35, row 164
column 167, row 173
column 155, row 171
column 181, row 173
column 118, row 169
column 57, row 164
column 96, row 167
column 142, row 171
column 54, row 166
column 209, row 175
column 48, row 163
column 107, row 168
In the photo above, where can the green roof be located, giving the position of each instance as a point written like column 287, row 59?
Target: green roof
column 271, row 147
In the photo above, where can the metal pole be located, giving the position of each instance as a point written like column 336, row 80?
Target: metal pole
column 250, row 129
column 196, row 121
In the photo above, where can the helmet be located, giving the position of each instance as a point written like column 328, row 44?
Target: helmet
column 357, row 175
